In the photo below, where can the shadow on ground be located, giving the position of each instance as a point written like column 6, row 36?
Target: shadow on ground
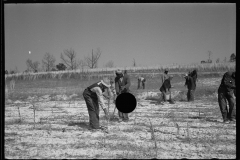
column 83, row 125
column 212, row 120
column 196, row 117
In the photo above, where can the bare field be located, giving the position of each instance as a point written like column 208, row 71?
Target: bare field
column 60, row 128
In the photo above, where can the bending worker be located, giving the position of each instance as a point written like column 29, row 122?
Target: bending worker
column 166, row 87
column 141, row 80
column 93, row 96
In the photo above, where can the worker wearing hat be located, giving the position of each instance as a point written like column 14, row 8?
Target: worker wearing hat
column 122, row 84
column 166, row 87
column 93, row 96
column 226, row 92
column 191, row 86
column 164, row 77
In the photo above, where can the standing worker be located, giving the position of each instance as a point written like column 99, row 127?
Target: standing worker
column 191, row 86
column 226, row 93
column 122, row 84
column 141, row 80
column 164, row 77
column 166, row 87
column 195, row 77
column 93, row 96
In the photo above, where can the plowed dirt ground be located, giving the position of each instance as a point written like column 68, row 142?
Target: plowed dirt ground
column 60, row 131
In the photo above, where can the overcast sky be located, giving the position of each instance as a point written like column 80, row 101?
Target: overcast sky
column 152, row 34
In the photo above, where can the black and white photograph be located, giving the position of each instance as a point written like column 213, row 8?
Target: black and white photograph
column 119, row 80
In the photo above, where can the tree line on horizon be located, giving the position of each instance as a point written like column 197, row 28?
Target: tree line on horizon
column 69, row 62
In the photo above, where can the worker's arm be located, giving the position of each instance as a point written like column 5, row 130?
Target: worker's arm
column 127, row 85
column 99, row 93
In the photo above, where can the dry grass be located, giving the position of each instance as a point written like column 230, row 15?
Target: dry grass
column 58, row 128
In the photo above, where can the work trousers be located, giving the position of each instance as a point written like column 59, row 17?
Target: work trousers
column 93, row 108
column 190, row 95
column 123, row 116
column 223, row 97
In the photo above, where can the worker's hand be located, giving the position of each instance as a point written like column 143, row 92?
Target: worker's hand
column 124, row 90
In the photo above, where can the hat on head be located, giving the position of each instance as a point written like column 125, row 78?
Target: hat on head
column 118, row 71
column 106, row 82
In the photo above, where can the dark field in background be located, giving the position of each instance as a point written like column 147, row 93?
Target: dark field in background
column 25, row 88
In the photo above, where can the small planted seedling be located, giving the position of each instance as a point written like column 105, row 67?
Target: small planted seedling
column 19, row 114
column 34, row 110
column 153, row 138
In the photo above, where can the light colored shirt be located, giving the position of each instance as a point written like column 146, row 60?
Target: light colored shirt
column 99, row 93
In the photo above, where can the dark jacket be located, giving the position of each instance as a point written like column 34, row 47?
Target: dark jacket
column 166, row 85
column 228, row 82
column 191, row 85
column 194, row 76
column 124, row 85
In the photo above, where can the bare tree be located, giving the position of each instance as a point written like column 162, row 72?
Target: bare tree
column 32, row 66
column 92, row 61
column 70, row 59
column 109, row 64
column 48, row 62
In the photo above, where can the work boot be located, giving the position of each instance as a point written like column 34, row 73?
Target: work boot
column 171, row 101
column 226, row 121
column 125, row 120
column 92, row 129
column 232, row 120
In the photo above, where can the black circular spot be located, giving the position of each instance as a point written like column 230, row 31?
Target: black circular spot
column 126, row 102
